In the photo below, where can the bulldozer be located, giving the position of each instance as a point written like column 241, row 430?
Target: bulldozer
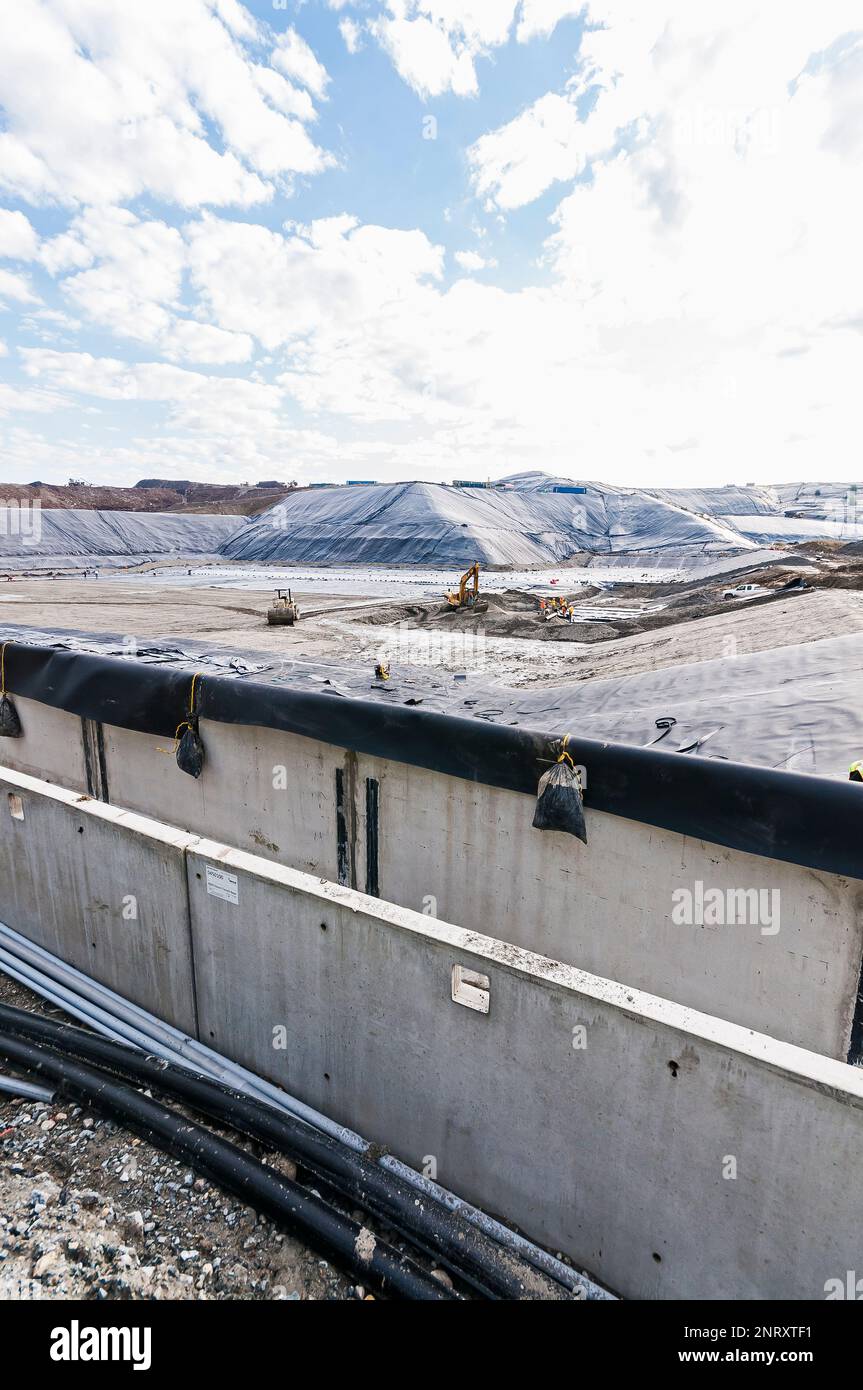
column 283, row 611
column 467, row 595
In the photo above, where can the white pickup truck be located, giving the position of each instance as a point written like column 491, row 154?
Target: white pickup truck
column 744, row 591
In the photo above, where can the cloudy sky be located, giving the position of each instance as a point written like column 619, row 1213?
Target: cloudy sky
column 431, row 239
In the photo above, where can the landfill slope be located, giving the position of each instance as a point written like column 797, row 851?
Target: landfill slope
column 793, row 707
column 791, row 530
column 832, row 501
column 431, row 523
column 69, row 531
column 726, row 502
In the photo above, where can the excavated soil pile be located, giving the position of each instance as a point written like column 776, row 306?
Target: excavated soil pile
column 510, row 614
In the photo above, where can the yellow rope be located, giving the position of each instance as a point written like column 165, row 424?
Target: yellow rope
column 184, row 723
column 565, row 757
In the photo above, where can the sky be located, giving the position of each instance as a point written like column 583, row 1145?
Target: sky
column 431, row 239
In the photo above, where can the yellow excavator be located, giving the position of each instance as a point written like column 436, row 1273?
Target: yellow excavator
column 468, row 590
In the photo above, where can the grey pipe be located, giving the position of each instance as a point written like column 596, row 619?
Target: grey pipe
column 113, row 1016
column 26, row 1090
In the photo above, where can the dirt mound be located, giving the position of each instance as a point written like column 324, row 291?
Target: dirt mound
column 217, row 498
column 510, row 614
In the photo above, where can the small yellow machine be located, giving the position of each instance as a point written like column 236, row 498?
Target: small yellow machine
column 284, row 612
column 468, row 590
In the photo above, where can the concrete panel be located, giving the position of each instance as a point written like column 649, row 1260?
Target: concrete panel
column 609, row 906
column 50, row 745
column 668, row 1152
column 102, row 888
column 242, row 797
column 604, row 1121
column 467, row 852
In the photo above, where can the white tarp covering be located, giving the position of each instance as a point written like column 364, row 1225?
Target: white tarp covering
column 725, row 502
column 430, row 523
column 76, row 531
column 794, row 530
column 527, row 522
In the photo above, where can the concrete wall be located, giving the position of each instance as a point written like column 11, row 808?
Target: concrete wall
column 51, row 745
column 467, row 852
column 102, row 888
column 671, row 1154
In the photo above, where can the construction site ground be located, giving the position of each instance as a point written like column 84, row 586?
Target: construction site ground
column 649, row 626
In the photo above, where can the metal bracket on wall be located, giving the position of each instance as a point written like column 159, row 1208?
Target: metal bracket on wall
column 470, row 989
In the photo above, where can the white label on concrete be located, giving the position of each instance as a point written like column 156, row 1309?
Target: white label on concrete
column 222, row 885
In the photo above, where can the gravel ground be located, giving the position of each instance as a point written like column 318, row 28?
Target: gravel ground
column 87, row 1210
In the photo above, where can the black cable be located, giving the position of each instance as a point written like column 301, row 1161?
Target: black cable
column 489, row 1269
column 366, row 1258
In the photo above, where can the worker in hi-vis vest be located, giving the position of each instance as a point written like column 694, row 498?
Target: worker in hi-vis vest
column 855, row 772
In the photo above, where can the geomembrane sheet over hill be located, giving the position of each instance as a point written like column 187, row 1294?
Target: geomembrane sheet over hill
column 529, row 520
column 83, row 532
column 430, row 523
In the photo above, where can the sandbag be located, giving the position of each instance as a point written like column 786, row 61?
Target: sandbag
column 559, row 803
column 190, row 751
column 10, row 724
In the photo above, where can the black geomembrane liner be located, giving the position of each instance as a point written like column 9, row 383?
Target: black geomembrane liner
column 812, row 821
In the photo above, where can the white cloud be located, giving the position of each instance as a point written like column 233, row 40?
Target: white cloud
column 667, row 73
column 24, row 400
column 603, row 373
column 187, row 341
column 104, row 103
column 423, row 56
column 16, row 287
column 295, row 58
column 18, row 239
column 281, row 289
column 709, row 264
column 433, row 43
column 66, row 251
column 197, row 401
column 133, row 272
column 700, row 280
column 516, row 163
column 48, row 326
column 352, row 35
column 294, row 101
column 470, row 260
column 129, row 279
column 539, row 18
column 216, row 429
